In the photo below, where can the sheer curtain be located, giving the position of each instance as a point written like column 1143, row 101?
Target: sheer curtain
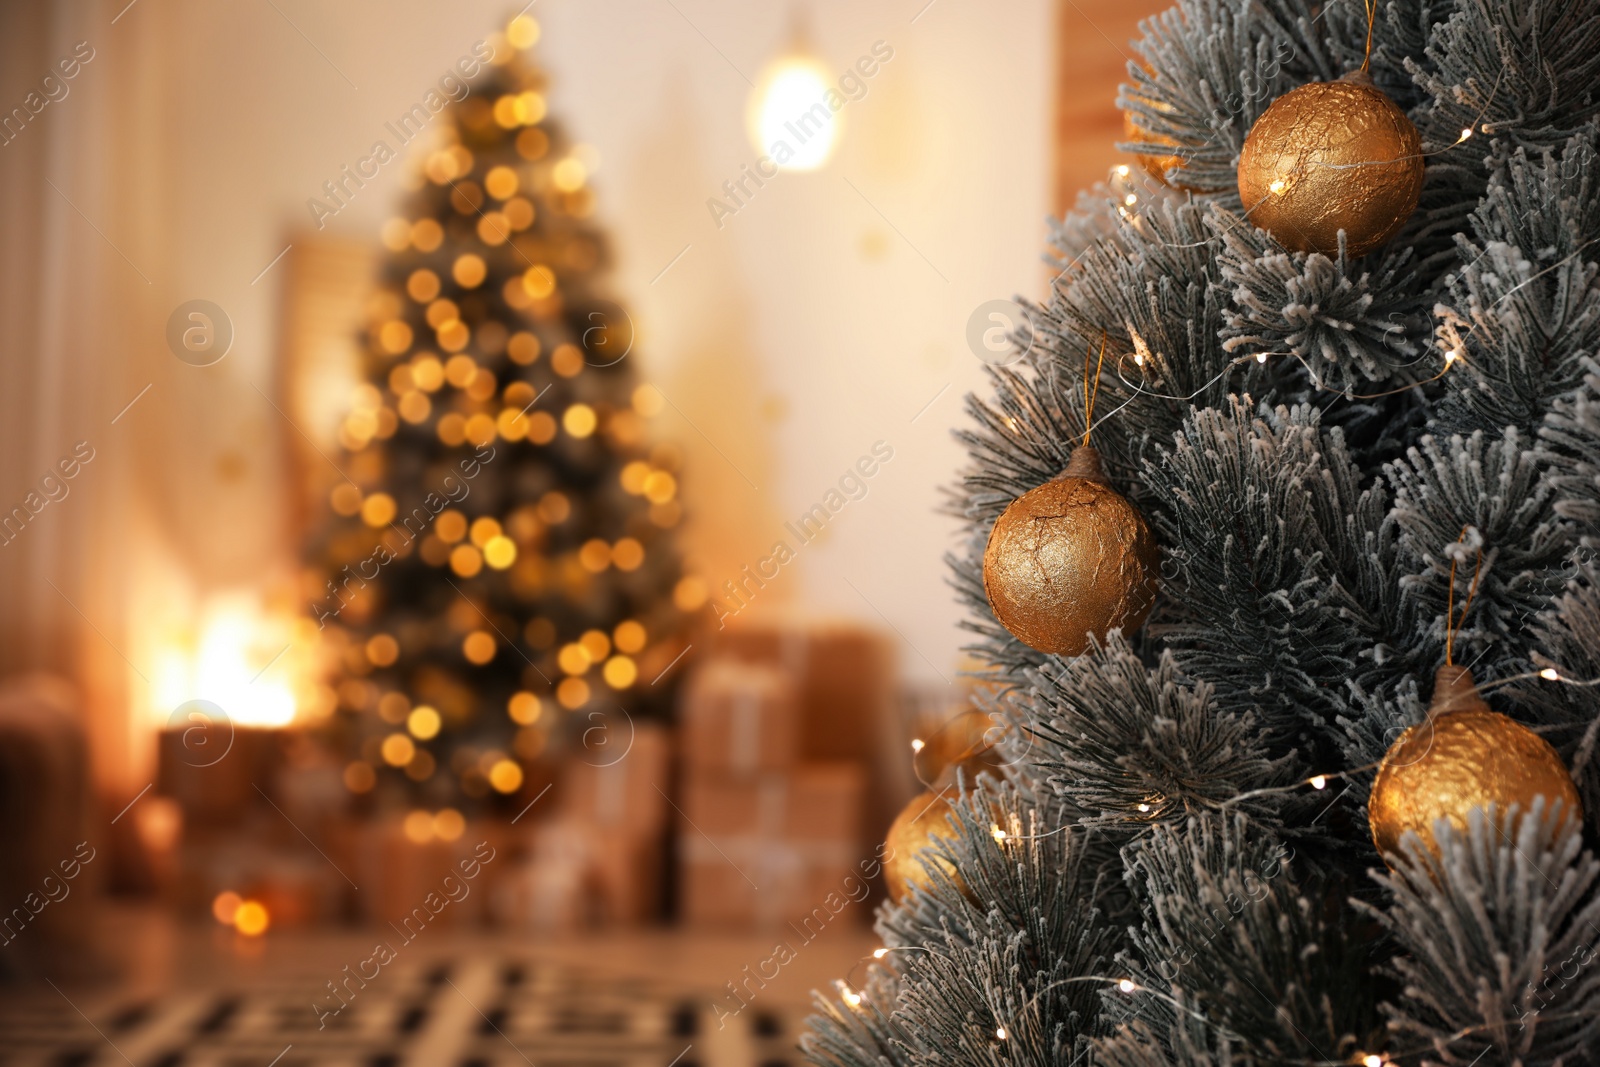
column 84, row 277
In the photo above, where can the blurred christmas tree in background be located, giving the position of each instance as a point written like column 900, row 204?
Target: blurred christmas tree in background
column 497, row 577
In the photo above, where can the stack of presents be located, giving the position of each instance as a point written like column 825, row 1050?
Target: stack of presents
column 781, row 732
column 775, row 783
column 765, row 798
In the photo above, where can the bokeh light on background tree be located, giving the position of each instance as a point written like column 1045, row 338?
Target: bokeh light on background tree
column 496, row 579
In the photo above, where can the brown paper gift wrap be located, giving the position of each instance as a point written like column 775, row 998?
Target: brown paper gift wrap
column 740, row 718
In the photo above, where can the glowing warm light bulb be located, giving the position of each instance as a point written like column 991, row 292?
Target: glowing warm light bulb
column 1278, row 185
column 917, row 744
column 996, row 832
column 879, row 953
column 1550, row 674
column 1126, row 985
column 1465, row 133
column 1372, row 1059
column 1144, row 807
column 1000, row 1033
column 1451, row 356
column 1319, row 782
column 790, row 121
column 1130, row 199
column 1122, row 170
column 251, row 918
column 852, row 998
column 1138, row 359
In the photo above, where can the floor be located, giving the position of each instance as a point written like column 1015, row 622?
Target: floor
column 196, row 995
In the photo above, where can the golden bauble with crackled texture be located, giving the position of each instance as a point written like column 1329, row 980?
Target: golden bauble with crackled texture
column 1331, row 156
column 968, row 742
column 913, row 835
column 1071, row 560
column 1463, row 757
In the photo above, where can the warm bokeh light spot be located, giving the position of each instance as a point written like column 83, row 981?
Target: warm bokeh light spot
column 567, row 360
column 579, row 420
column 620, row 672
column 627, row 554
column 226, row 906
column 573, row 659
column 647, row 400
column 596, row 644
column 523, row 347
column 359, row 777
column 345, row 499
column 449, row 824
column 524, row 708
column 633, row 476
column 397, row 750
column 382, row 650
column 522, row 32
column 466, row 561
column 689, row 594
column 427, row 234
column 418, row 827
column 423, row 722
column 554, row 507
column 541, row 427
column 539, row 281
column 630, row 636
column 660, row 487
column 500, row 552
column 451, row 526
column 427, row 373
column 423, row 285
column 394, row 337
column 485, row 528
column 251, row 918
column 479, row 647
column 595, row 555
column 505, row 776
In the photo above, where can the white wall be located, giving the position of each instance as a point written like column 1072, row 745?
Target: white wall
column 819, row 319
column 836, row 323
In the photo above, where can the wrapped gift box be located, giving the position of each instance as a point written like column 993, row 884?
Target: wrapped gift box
column 624, row 789
column 214, row 769
column 759, row 851
column 845, row 679
column 739, row 718
column 396, row 875
column 813, row 802
column 582, row 875
column 754, row 882
column 846, row 682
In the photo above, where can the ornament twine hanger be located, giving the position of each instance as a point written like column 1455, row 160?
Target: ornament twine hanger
column 1088, row 397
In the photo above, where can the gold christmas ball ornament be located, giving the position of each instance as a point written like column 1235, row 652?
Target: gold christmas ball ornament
column 1461, row 758
column 1070, row 560
column 911, row 836
column 967, row 742
column 1331, row 156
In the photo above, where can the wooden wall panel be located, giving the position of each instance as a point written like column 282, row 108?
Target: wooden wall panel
column 1092, row 56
